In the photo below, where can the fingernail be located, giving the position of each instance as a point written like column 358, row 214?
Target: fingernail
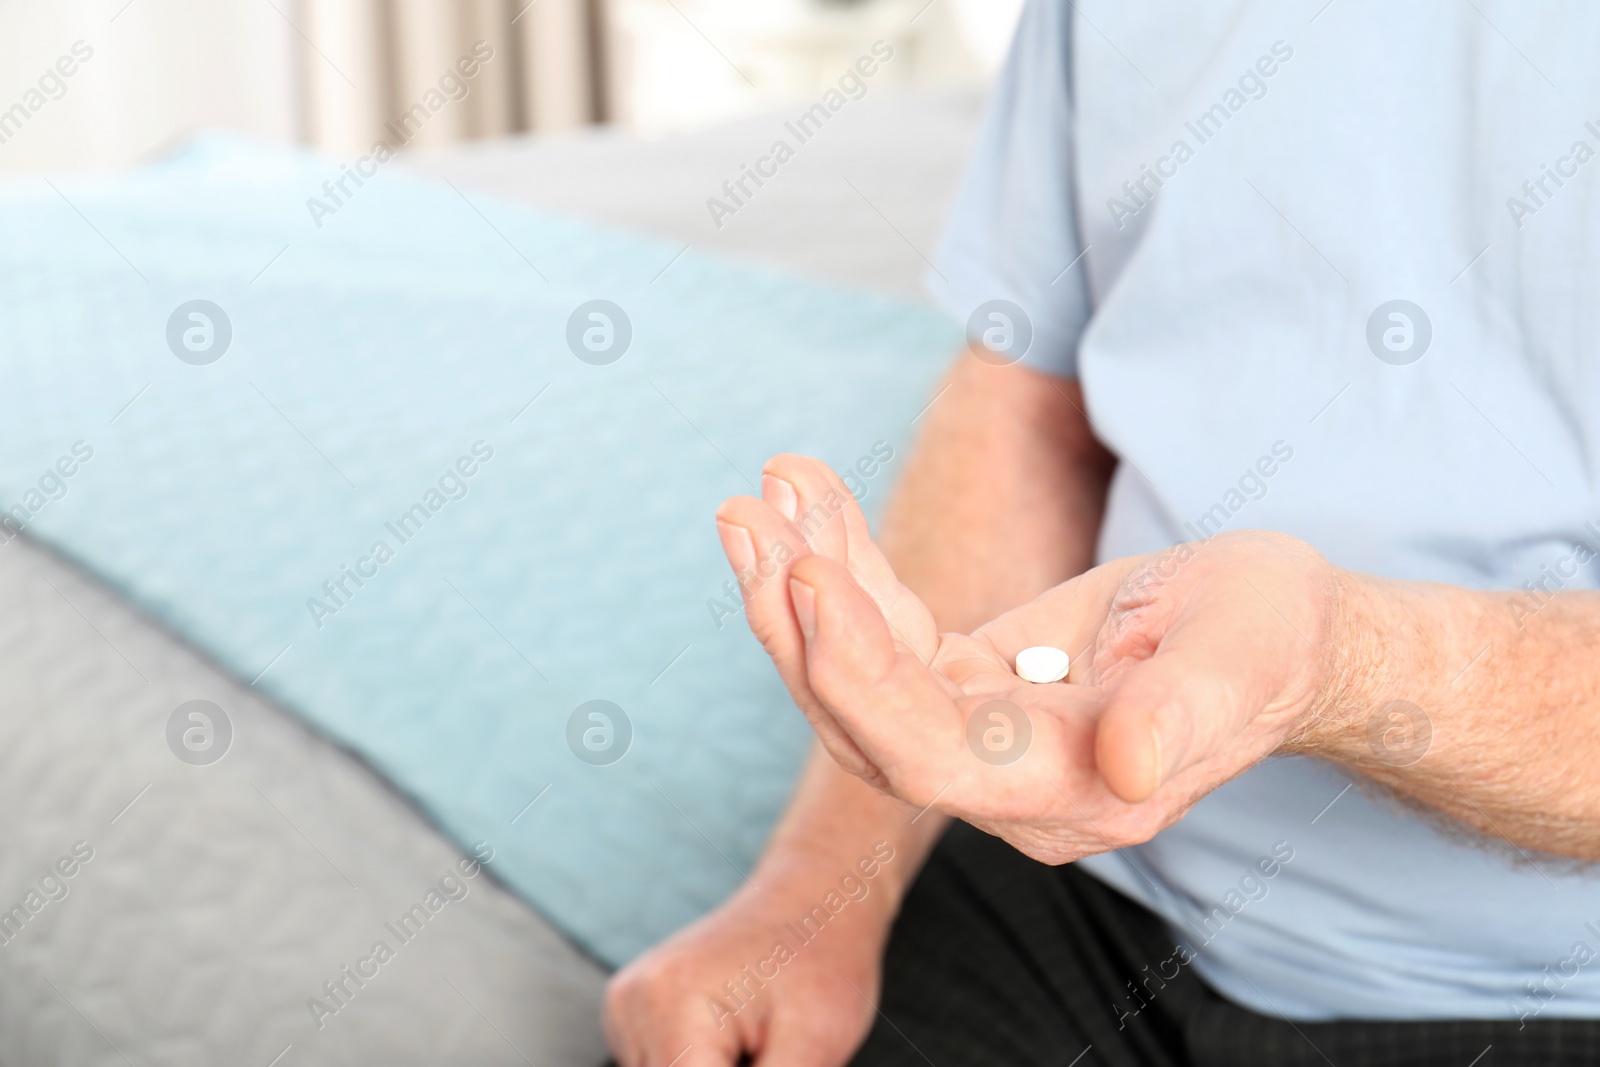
column 1172, row 730
column 781, row 495
column 805, row 606
column 740, row 547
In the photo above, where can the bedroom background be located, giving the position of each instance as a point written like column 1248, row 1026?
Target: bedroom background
column 559, row 156
column 332, row 73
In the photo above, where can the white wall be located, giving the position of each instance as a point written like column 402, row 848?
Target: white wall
column 316, row 71
column 685, row 63
column 159, row 67
column 321, row 72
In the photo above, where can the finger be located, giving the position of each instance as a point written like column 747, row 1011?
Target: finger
column 646, row 1031
column 761, row 546
column 914, row 723
column 1067, row 616
column 827, row 515
column 900, row 713
column 692, row 1055
column 801, row 1039
column 1213, row 672
column 618, row 1030
column 802, row 489
column 680, row 1032
column 974, row 665
column 688, row 1048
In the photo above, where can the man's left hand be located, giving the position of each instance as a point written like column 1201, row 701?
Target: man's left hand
column 1189, row 667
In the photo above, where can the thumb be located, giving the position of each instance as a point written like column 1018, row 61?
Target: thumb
column 1183, row 704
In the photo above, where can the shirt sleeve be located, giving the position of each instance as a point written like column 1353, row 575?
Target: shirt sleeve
column 1013, row 231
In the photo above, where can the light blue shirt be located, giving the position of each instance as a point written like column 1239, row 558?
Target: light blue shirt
column 1207, row 212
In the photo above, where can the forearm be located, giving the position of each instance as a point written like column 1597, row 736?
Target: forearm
column 1511, row 694
column 1001, row 499
column 833, row 822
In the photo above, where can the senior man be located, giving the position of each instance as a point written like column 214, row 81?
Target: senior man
column 1304, row 295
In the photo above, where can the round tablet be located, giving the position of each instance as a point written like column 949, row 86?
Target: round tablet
column 1042, row 664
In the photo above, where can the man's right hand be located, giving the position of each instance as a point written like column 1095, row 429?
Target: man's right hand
column 674, row 1005
column 1000, row 500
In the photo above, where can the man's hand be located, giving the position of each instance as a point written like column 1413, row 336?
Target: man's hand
column 1189, row 667
column 672, row 1006
column 1000, row 499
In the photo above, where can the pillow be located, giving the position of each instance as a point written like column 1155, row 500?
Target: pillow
column 374, row 447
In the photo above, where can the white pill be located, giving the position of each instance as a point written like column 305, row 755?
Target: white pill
column 1042, row 664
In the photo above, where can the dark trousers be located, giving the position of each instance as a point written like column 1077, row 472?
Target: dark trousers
column 999, row 960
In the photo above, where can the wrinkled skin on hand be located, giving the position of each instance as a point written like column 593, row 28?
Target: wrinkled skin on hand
column 1189, row 667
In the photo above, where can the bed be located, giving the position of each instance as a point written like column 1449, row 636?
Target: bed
column 210, row 902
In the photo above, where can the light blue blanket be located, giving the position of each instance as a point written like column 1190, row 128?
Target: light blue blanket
column 401, row 376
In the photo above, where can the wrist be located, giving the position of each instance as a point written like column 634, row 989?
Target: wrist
column 863, row 891
column 885, row 859
column 1353, row 665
